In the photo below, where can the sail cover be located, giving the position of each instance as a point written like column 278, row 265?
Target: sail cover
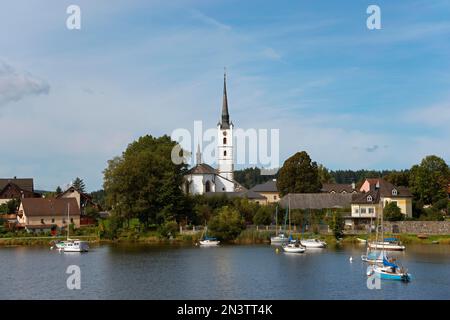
column 386, row 263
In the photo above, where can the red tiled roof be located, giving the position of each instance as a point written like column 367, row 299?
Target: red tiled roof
column 50, row 207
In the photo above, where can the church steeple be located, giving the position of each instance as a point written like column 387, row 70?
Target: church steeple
column 199, row 155
column 225, row 124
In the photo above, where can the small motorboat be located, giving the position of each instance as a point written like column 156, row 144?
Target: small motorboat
column 313, row 243
column 76, row 246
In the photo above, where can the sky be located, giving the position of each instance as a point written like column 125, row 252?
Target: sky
column 353, row 98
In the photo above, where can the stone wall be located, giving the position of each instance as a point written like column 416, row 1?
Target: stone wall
column 418, row 227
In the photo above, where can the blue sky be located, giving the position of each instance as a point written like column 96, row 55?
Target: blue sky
column 351, row 97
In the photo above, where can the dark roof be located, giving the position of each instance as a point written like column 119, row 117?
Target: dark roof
column 202, row 168
column 24, row 183
column 225, row 123
column 249, row 194
column 362, row 198
column 316, row 200
column 50, row 207
column 337, row 187
column 386, row 188
column 269, row 186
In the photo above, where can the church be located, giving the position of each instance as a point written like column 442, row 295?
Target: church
column 202, row 178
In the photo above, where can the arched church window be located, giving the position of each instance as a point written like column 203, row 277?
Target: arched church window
column 208, row 186
column 225, row 153
column 224, row 140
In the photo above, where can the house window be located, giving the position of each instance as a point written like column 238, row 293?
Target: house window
column 274, row 197
column 371, row 210
column 207, row 186
column 224, row 140
column 356, row 210
column 64, row 221
column 369, row 199
column 53, row 220
column 394, row 192
column 71, row 220
column 363, row 210
column 42, row 221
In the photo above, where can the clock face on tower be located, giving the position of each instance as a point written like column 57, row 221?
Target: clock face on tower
column 224, row 133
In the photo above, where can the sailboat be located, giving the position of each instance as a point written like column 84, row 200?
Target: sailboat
column 279, row 237
column 71, row 245
column 208, row 241
column 388, row 269
column 292, row 246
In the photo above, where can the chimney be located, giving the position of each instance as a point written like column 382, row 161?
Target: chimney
column 377, row 186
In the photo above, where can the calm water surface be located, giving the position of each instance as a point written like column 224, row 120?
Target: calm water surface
column 227, row 272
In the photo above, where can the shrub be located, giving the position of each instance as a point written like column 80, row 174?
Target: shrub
column 168, row 229
column 227, row 224
column 392, row 212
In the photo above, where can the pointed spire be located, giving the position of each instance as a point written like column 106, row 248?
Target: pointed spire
column 225, row 124
column 199, row 155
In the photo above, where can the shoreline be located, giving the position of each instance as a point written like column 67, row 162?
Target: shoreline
column 246, row 238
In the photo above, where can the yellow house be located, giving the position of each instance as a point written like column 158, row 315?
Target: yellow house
column 41, row 214
column 401, row 196
column 269, row 190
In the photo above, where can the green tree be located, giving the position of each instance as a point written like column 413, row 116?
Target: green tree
column 10, row 207
column 392, row 212
column 398, row 178
column 324, row 175
column 299, row 175
column 428, row 181
column 58, row 190
column 336, row 224
column 227, row 224
column 78, row 184
column 145, row 183
column 263, row 215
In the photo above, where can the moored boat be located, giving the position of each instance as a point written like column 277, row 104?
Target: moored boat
column 313, row 243
column 389, row 271
column 209, row 242
column 76, row 246
column 389, row 244
column 293, row 247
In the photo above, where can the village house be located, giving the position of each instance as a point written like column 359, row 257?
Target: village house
column 268, row 190
column 15, row 188
column 374, row 195
column 84, row 201
column 42, row 214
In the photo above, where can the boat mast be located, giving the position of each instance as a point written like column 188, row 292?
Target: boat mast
column 289, row 198
column 68, row 220
column 276, row 220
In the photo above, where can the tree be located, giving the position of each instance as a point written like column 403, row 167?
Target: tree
column 227, row 224
column 263, row 216
column 392, row 212
column 78, row 184
column 398, row 178
column 325, row 175
column 145, row 183
column 336, row 224
column 10, row 207
column 58, row 190
column 299, row 175
column 428, row 181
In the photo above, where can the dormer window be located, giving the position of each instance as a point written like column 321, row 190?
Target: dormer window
column 394, row 192
column 369, row 198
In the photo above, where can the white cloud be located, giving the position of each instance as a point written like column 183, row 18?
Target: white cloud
column 15, row 84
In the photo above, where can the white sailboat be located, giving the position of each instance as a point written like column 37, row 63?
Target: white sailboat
column 313, row 243
column 292, row 246
column 387, row 269
column 279, row 238
column 208, row 241
column 71, row 245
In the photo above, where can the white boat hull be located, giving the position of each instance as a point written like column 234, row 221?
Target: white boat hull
column 387, row 246
column 76, row 246
column 209, row 243
column 278, row 240
column 313, row 244
column 293, row 249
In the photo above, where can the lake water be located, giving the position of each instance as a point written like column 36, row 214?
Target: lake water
column 227, row 272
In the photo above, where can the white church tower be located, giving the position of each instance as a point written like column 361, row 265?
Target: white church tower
column 225, row 139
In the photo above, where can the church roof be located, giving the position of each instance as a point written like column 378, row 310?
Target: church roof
column 202, row 168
